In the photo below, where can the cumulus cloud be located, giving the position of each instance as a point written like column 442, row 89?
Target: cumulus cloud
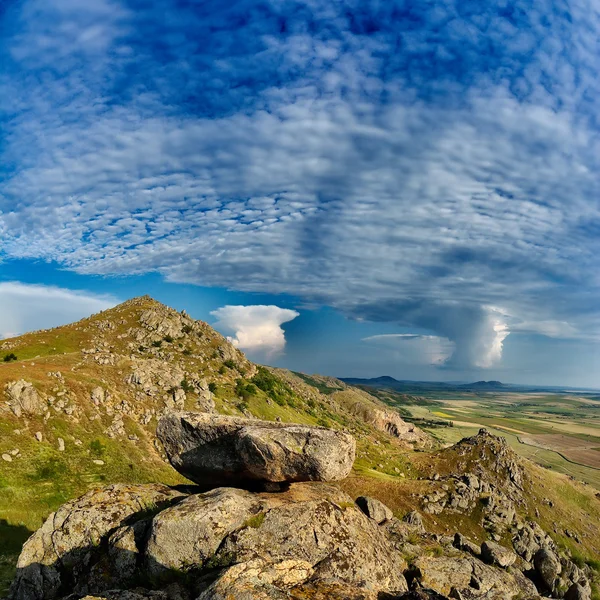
column 28, row 307
column 414, row 168
column 256, row 328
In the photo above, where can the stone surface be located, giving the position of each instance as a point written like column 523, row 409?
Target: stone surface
column 374, row 509
column 495, row 554
column 24, row 399
column 547, row 566
column 62, row 545
column 219, row 450
column 577, row 592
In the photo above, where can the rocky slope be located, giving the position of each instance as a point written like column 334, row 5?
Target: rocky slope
column 303, row 540
column 80, row 411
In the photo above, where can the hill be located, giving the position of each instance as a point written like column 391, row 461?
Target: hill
column 82, row 403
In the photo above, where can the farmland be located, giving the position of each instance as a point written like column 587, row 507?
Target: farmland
column 560, row 431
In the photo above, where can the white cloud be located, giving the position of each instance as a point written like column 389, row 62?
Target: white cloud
column 418, row 349
column 256, row 328
column 422, row 210
column 26, row 307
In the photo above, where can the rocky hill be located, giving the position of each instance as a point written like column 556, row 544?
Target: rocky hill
column 80, row 412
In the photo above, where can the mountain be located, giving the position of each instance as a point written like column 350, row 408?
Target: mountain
column 80, row 413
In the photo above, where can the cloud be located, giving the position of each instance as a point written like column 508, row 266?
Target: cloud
column 257, row 328
column 410, row 165
column 417, row 349
column 28, row 307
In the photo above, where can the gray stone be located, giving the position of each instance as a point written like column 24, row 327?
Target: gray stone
column 547, row 566
column 374, row 509
column 24, row 399
column 495, row 554
column 219, row 450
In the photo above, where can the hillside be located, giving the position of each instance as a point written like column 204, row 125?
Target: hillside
column 82, row 402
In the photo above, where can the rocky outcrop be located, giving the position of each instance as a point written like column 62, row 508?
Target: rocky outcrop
column 24, row 399
column 221, row 450
column 62, row 549
column 374, row 509
column 256, row 544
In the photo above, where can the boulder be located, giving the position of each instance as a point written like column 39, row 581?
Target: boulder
column 547, row 567
column 374, row 509
column 24, row 399
column 495, row 554
column 577, row 592
column 220, row 450
column 226, row 543
column 61, row 549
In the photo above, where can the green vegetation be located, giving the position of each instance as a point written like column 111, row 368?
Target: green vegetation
column 10, row 357
column 255, row 521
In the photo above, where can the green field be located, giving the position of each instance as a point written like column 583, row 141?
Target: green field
column 558, row 431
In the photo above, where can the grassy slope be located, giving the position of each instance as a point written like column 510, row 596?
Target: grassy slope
column 42, row 478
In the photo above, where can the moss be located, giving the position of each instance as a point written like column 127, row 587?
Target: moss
column 255, row 521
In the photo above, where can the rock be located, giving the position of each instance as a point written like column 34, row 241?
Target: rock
column 415, row 519
column 464, row 574
column 547, row 567
column 237, row 544
column 23, row 398
column 61, row 444
column 98, row 396
column 217, row 450
column 98, row 461
column 7, row 457
column 60, row 550
column 374, row 509
column 460, row 542
column 577, row 592
column 495, row 554
column 38, row 436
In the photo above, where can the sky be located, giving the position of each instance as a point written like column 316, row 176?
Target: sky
column 354, row 187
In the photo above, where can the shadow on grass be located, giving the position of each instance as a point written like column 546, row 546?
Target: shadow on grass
column 12, row 538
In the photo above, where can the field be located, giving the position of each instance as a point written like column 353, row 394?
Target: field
column 558, row 431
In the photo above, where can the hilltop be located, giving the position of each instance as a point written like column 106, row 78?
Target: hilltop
column 82, row 403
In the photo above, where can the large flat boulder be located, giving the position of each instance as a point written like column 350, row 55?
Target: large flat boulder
column 218, row 450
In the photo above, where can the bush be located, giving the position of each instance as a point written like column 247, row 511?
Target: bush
column 186, row 329
column 168, row 339
column 229, row 363
column 97, row 448
column 212, row 387
column 276, row 389
column 10, row 357
column 186, row 386
column 157, row 343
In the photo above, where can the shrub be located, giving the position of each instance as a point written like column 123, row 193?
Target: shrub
column 212, row 387
column 186, row 386
column 229, row 363
column 157, row 343
column 168, row 339
column 10, row 357
column 97, row 448
column 186, row 329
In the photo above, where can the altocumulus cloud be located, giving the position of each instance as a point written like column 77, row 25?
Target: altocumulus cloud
column 410, row 163
column 29, row 307
column 256, row 328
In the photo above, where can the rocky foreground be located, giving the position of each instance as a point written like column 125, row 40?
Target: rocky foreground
column 278, row 529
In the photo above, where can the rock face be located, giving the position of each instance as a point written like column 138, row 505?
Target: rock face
column 374, row 509
column 63, row 547
column 253, row 545
column 220, row 450
column 24, row 399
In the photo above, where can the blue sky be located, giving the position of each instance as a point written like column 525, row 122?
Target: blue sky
column 411, row 189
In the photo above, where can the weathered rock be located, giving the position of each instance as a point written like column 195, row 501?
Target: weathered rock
column 374, row 509
column 329, row 532
column 23, row 398
column 495, row 554
column 548, row 567
column 414, row 519
column 219, row 450
column 98, row 396
column 460, row 542
column 577, row 592
column 63, row 544
column 465, row 575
